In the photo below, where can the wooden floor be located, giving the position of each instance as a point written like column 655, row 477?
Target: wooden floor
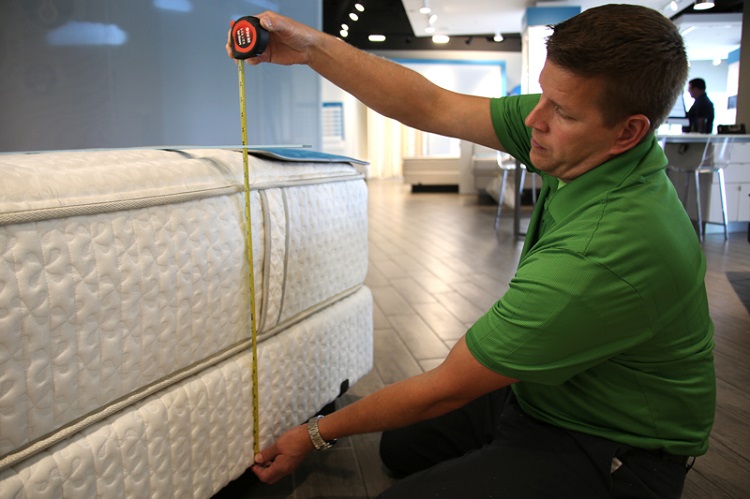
column 436, row 264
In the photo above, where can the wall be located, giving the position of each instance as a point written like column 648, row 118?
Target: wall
column 743, row 97
column 360, row 141
column 108, row 73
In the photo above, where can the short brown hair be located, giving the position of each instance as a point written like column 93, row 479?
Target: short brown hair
column 636, row 51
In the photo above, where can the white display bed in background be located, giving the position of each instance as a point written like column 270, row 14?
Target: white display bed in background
column 124, row 310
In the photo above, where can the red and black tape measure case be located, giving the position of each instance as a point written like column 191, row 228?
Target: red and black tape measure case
column 249, row 38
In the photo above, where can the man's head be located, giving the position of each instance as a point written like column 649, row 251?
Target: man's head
column 696, row 87
column 637, row 53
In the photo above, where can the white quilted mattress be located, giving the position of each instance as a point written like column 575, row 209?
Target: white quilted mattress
column 124, row 314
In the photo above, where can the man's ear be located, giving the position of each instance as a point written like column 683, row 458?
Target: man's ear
column 632, row 131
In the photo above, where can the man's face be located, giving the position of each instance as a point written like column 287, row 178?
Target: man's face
column 693, row 91
column 568, row 134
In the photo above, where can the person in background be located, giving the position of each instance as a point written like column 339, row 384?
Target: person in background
column 701, row 113
column 592, row 376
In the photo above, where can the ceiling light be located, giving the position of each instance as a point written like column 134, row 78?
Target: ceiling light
column 429, row 29
column 425, row 8
column 717, row 61
column 703, row 5
column 344, row 33
column 498, row 37
column 376, row 38
column 345, row 27
column 687, row 30
column 359, row 7
column 432, row 19
column 353, row 16
column 673, row 6
column 440, row 39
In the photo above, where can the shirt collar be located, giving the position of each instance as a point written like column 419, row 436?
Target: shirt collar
column 631, row 166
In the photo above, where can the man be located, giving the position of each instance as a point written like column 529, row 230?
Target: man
column 593, row 375
column 701, row 113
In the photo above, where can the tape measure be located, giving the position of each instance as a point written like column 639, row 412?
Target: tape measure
column 249, row 39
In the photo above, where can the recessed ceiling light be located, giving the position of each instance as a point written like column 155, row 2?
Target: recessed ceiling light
column 344, row 33
column 359, row 7
column 353, row 16
column 376, row 38
column 440, row 39
column 345, row 27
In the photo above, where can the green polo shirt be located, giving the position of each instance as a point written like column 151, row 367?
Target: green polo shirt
column 606, row 321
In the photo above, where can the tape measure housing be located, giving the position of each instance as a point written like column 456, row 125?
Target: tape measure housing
column 249, row 38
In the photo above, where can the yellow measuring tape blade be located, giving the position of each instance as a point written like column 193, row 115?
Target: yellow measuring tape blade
column 251, row 273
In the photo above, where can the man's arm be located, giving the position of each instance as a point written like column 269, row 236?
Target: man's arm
column 384, row 86
column 457, row 381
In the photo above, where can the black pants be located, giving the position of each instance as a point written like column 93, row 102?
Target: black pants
column 491, row 448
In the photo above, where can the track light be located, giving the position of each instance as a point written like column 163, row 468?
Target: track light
column 498, row 37
column 359, row 7
column 703, row 5
column 425, row 8
column 440, row 39
column 353, row 16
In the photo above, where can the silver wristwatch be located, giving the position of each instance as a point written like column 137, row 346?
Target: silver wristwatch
column 317, row 440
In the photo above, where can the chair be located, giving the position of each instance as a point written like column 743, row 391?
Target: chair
column 507, row 164
column 715, row 158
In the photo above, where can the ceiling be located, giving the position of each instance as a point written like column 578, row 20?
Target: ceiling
column 471, row 24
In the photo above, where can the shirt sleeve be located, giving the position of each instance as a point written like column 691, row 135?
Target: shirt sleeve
column 508, row 116
column 561, row 315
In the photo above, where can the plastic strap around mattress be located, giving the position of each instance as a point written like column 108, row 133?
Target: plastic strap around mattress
column 32, row 448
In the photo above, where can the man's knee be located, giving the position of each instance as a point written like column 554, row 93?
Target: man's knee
column 392, row 454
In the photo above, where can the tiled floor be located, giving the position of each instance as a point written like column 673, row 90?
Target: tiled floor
column 436, row 264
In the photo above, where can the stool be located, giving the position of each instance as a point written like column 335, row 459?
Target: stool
column 506, row 166
column 716, row 156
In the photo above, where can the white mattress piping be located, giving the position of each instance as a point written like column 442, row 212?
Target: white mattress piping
column 35, row 215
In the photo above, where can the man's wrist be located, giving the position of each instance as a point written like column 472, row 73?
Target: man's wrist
column 317, row 440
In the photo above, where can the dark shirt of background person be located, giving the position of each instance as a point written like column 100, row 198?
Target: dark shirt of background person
column 701, row 113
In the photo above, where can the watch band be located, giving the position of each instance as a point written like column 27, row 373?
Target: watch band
column 317, row 439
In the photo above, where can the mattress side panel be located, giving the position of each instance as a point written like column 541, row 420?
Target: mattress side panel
column 103, row 305
column 193, row 438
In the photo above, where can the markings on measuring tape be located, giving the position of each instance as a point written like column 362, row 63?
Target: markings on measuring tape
column 249, row 251
column 249, row 39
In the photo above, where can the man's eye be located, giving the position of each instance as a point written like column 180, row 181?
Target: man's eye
column 562, row 113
